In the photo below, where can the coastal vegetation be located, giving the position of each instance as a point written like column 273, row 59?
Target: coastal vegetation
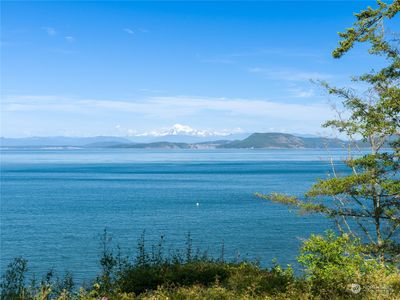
column 365, row 203
column 360, row 261
column 333, row 267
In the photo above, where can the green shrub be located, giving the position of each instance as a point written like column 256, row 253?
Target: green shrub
column 13, row 285
column 337, row 266
column 331, row 264
column 138, row 279
column 248, row 277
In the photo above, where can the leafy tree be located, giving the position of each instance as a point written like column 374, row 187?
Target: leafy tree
column 13, row 281
column 366, row 202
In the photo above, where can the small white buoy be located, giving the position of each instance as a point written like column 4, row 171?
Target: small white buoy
column 197, row 203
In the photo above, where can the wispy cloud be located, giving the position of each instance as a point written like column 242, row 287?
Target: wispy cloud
column 301, row 93
column 128, row 30
column 70, row 39
column 288, row 75
column 172, row 106
column 97, row 116
column 61, row 51
column 152, row 91
column 50, row 31
column 218, row 60
column 136, row 30
column 268, row 53
column 281, row 52
column 143, row 30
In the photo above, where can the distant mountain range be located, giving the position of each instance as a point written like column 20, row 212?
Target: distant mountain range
column 179, row 133
column 271, row 140
column 181, row 130
column 283, row 140
column 59, row 141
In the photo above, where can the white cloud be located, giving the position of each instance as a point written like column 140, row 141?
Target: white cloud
column 172, row 106
column 302, row 93
column 70, row 39
column 129, row 31
column 50, row 31
column 288, row 74
column 140, row 114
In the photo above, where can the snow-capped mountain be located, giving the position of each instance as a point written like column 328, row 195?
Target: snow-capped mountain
column 185, row 133
column 179, row 129
column 177, row 133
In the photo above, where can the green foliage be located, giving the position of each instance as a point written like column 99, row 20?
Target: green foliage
column 369, row 24
column 14, row 284
column 331, row 264
column 365, row 203
column 252, row 280
column 141, row 279
column 341, row 267
column 150, row 270
column 150, row 273
column 291, row 201
column 13, row 280
column 108, row 262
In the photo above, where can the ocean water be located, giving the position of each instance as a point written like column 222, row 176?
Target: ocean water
column 55, row 203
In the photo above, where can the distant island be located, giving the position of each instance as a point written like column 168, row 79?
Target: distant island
column 271, row 140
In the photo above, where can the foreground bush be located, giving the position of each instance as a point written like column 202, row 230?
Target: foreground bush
column 334, row 267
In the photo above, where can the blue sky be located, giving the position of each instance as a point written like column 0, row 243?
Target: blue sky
column 120, row 68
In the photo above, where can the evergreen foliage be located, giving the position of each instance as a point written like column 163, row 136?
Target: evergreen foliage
column 365, row 203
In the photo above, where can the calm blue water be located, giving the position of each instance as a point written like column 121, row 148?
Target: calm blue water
column 56, row 203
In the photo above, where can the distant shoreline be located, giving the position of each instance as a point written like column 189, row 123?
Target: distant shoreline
column 254, row 141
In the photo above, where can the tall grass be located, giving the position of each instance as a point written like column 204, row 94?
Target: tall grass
column 330, row 264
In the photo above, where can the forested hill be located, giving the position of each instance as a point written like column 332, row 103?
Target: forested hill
column 254, row 141
column 283, row 140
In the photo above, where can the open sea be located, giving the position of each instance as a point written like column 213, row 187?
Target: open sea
column 55, row 203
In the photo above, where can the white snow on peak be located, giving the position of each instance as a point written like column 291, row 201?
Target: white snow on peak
column 179, row 129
